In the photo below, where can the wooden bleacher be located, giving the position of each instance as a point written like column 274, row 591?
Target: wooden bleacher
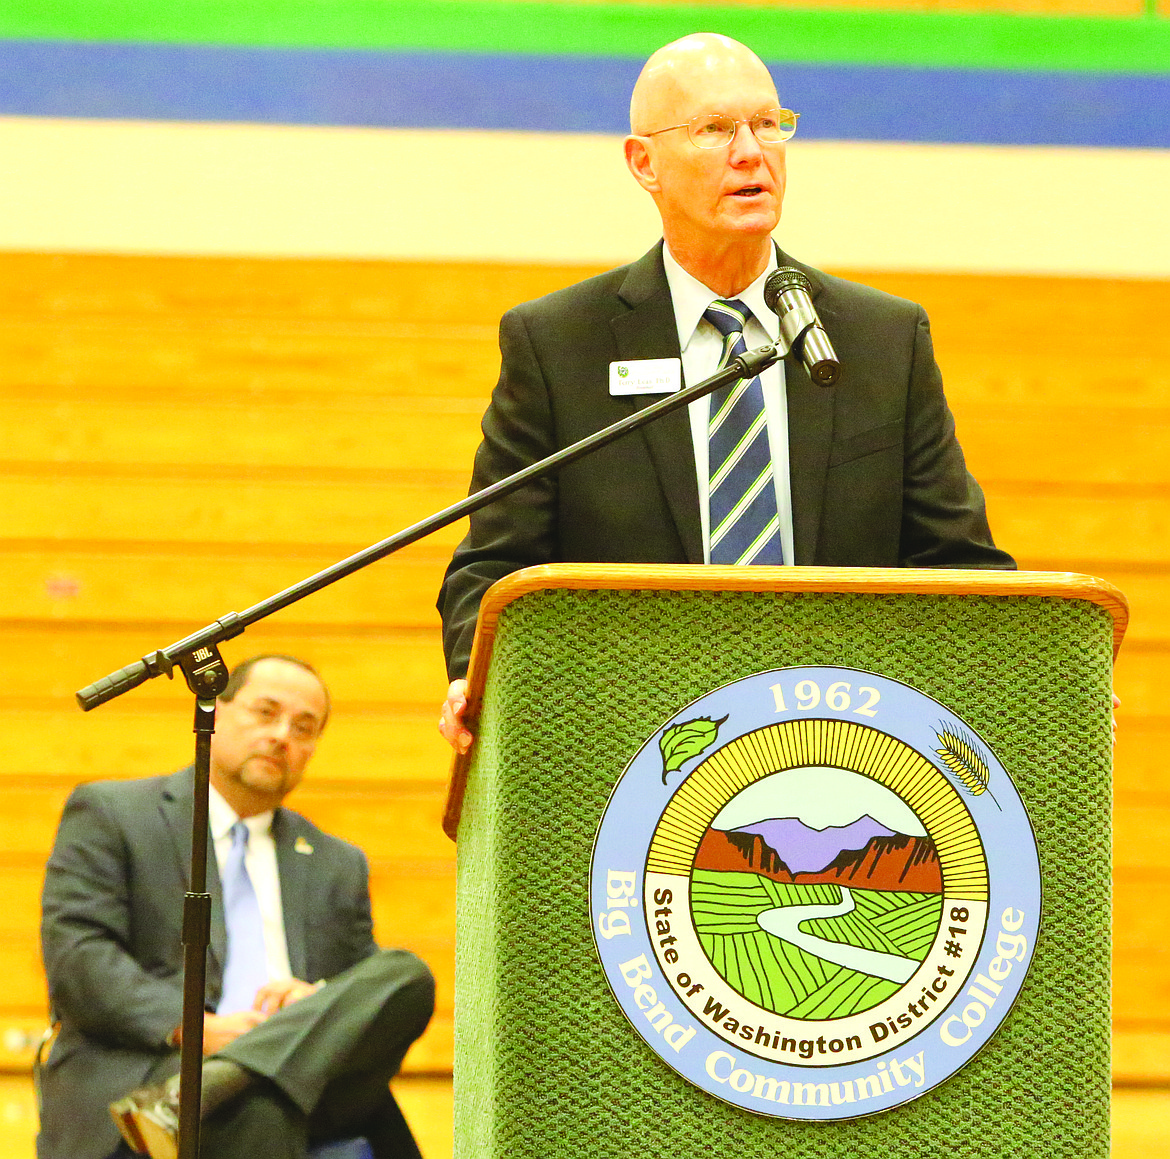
column 183, row 437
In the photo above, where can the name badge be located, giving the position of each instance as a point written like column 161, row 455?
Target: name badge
column 646, row 376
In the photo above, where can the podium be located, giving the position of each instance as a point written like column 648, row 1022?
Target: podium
column 910, row 768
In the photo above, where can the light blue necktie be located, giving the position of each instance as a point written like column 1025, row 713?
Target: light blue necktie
column 247, row 968
column 745, row 525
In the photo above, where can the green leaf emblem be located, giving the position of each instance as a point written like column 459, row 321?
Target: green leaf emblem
column 623, row 371
column 687, row 740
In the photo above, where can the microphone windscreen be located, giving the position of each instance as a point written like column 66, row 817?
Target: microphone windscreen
column 781, row 280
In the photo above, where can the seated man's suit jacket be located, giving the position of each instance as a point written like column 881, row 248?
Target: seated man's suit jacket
column 878, row 478
column 111, row 926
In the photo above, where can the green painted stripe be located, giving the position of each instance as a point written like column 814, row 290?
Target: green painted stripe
column 947, row 40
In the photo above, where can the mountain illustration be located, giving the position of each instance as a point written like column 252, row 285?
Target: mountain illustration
column 807, row 850
column 865, row 854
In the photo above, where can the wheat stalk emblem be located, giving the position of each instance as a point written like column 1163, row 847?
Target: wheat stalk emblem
column 961, row 754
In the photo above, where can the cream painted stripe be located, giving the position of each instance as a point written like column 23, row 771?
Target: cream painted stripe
column 981, row 208
column 299, row 191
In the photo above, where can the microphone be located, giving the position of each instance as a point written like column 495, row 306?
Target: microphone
column 787, row 292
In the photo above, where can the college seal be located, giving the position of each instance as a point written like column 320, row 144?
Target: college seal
column 815, row 893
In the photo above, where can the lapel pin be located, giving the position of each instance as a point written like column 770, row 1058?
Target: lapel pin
column 302, row 846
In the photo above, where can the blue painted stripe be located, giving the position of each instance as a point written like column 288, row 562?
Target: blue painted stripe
column 562, row 93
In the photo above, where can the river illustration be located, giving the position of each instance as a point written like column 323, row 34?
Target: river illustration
column 784, row 922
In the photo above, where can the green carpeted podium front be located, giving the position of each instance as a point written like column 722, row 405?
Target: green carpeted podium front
column 589, row 682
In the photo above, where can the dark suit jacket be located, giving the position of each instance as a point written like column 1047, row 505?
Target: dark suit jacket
column 878, row 478
column 110, row 934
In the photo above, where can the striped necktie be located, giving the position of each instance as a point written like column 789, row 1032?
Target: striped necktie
column 745, row 526
column 246, row 969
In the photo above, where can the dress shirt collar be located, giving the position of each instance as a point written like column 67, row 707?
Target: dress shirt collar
column 691, row 298
column 221, row 817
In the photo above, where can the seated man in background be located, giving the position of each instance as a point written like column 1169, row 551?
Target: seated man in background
column 310, row 1019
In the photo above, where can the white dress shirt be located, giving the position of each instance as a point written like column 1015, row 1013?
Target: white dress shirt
column 260, row 860
column 702, row 348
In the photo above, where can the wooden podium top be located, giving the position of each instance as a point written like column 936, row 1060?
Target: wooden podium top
column 695, row 577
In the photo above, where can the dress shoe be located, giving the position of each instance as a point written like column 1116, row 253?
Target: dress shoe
column 149, row 1120
column 122, row 1112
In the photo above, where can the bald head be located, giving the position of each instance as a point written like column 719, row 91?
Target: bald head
column 686, row 70
column 718, row 203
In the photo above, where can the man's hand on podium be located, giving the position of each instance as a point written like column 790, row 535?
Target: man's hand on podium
column 451, row 725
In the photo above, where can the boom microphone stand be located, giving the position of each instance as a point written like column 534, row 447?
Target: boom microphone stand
column 197, row 656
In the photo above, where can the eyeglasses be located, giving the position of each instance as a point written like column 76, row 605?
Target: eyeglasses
column 301, row 728
column 714, row 130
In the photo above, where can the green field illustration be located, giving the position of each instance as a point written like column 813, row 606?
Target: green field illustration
column 891, row 929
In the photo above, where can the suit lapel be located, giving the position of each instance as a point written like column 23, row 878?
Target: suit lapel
column 293, row 857
column 177, row 806
column 810, row 435
column 647, row 329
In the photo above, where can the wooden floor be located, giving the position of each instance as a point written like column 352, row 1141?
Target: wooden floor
column 426, row 1102
column 1141, row 1118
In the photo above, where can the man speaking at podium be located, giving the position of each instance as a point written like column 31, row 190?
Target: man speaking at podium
column 779, row 470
